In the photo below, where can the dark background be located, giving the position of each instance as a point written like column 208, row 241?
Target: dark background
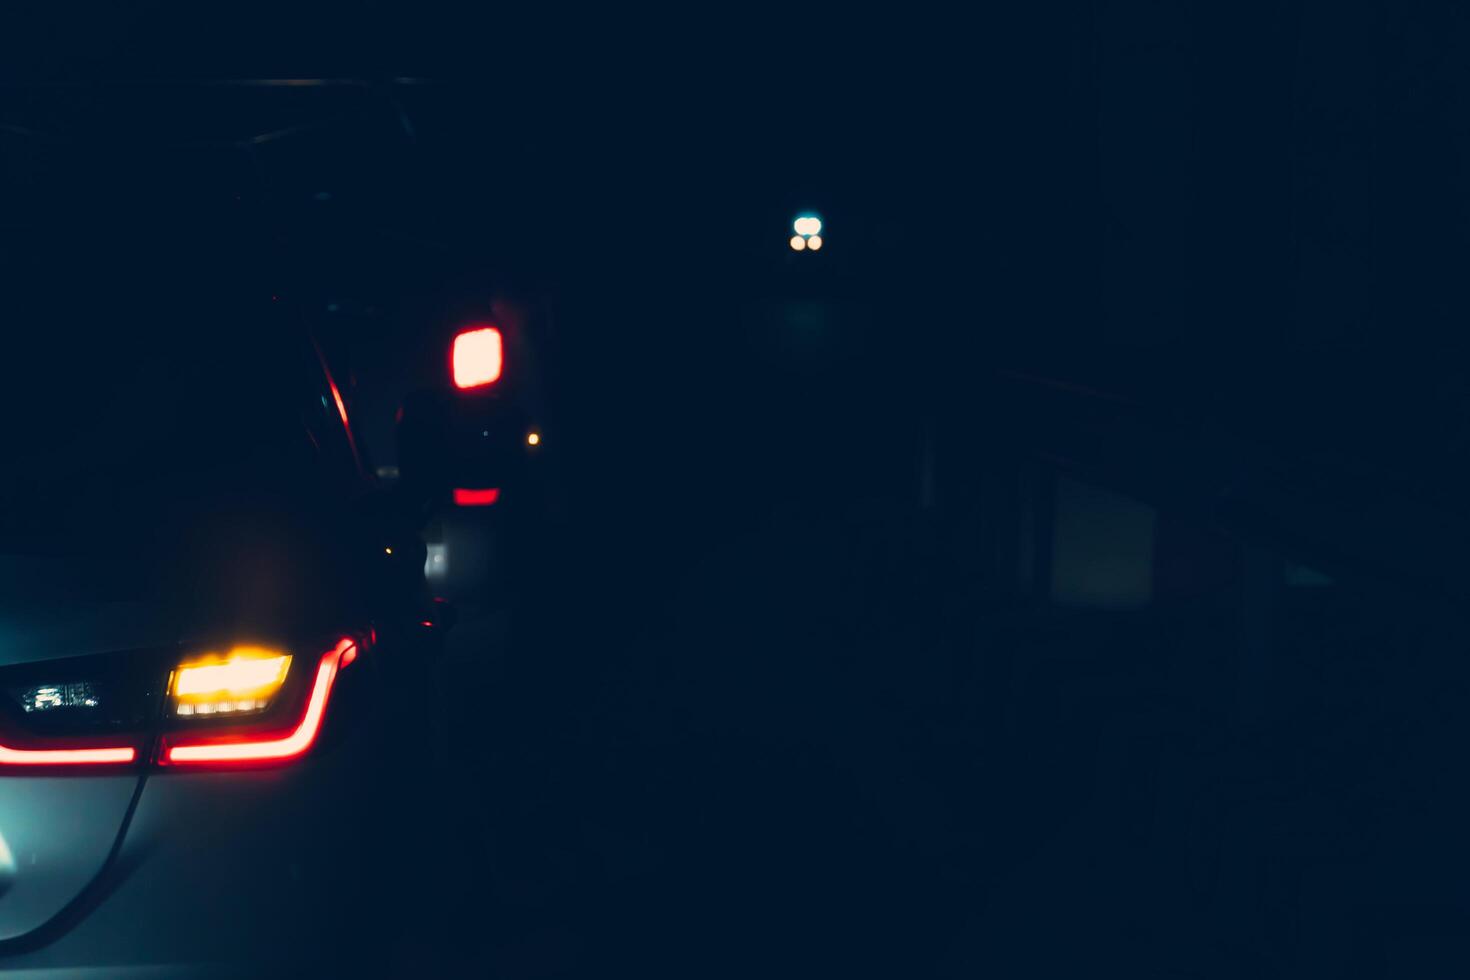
column 738, row 722
column 1267, row 177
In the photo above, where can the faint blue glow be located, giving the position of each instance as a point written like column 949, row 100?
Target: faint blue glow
column 436, row 562
column 1300, row 576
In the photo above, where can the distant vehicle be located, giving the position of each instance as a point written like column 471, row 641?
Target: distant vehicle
column 444, row 360
column 475, row 438
column 808, row 237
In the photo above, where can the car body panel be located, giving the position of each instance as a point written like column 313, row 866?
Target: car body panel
column 53, row 606
column 57, row 832
column 258, row 872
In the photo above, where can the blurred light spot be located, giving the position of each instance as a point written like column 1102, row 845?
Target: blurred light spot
column 798, row 243
column 436, row 562
column 337, row 397
column 477, row 357
column 387, row 551
column 533, row 438
column 248, row 673
column 814, row 242
column 466, row 497
column 807, row 224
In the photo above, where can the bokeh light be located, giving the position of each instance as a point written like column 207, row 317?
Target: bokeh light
column 807, row 225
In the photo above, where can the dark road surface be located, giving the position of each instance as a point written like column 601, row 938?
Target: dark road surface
column 755, row 711
column 776, row 759
column 819, row 751
column 711, row 768
column 697, row 746
column 769, row 750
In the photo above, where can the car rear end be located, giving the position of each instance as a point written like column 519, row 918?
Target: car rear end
column 216, row 685
column 289, row 837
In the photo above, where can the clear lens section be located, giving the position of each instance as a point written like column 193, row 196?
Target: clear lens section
column 49, row 697
column 188, row 708
column 240, row 682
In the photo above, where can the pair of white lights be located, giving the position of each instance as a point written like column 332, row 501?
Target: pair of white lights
column 808, row 237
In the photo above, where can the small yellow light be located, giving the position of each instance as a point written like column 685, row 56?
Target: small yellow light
column 248, row 674
column 533, row 438
column 387, row 551
column 814, row 242
column 807, row 225
column 797, row 243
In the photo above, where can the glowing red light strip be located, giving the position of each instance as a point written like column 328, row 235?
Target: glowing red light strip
column 288, row 747
column 464, row 497
column 341, row 405
column 66, row 757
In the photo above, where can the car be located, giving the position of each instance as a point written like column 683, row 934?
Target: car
column 221, row 673
column 442, row 353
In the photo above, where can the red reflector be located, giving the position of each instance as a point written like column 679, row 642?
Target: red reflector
column 231, row 749
column 477, row 357
column 476, row 498
column 337, row 397
column 67, row 757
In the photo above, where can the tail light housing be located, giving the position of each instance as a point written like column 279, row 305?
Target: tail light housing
column 247, row 706
column 279, row 738
column 81, row 712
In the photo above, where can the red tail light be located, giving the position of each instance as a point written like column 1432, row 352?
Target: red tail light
column 234, row 749
column 254, row 706
column 32, row 746
column 464, row 497
column 105, row 756
column 477, row 357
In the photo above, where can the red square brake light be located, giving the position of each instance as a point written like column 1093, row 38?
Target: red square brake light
column 464, row 497
column 477, row 357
